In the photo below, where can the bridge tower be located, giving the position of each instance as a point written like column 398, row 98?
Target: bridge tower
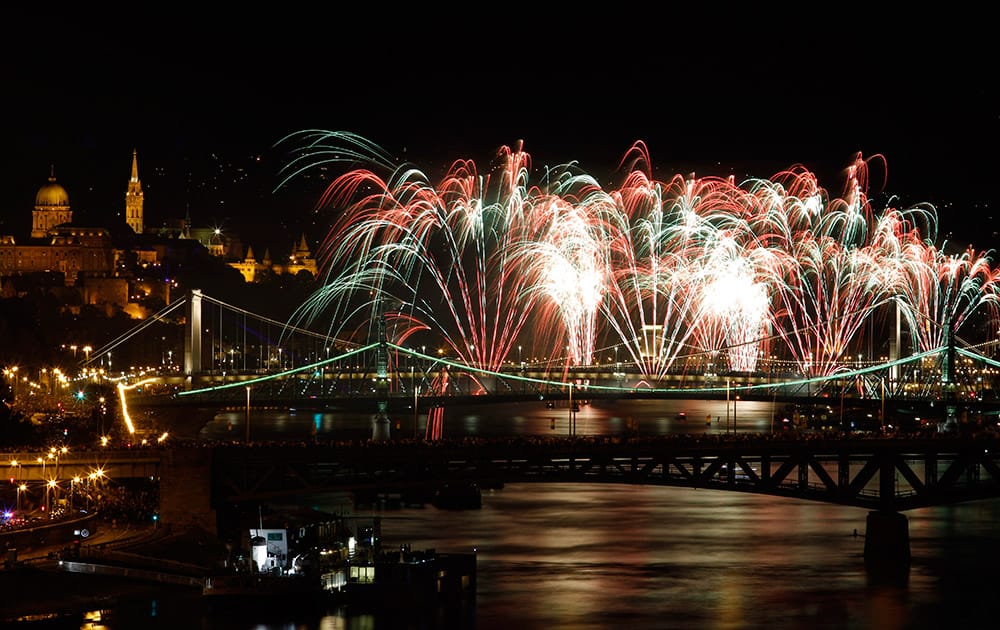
column 380, row 424
column 192, row 335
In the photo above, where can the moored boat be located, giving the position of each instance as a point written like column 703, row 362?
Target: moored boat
column 351, row 568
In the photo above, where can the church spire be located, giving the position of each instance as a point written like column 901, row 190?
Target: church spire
column 133, row 198
column 135, row 167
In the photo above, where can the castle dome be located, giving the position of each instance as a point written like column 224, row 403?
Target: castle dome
column 52, row 194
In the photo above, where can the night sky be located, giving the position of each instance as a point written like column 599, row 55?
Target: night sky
column 715, row 92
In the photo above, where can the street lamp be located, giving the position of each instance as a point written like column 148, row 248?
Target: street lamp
column 415, row 392
column 72, row 490
column 50, row 486
column 883, row 405
column 248, row 415
column 20, row 488
column 95, row 477
column 727, row 405
column 571, row 427
column 325, row 367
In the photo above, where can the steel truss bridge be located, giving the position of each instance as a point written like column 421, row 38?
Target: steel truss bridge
column 886, row 474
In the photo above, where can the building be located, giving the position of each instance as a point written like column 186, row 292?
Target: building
column 301, row 259
column 133, row 198
column 55, row 244
column 90, row 260
column 51, row 207
column 88, row 253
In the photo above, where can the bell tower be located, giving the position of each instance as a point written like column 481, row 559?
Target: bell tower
column 133, row 198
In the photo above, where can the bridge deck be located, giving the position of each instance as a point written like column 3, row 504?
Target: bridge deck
column 881, row 474
column 892, row 474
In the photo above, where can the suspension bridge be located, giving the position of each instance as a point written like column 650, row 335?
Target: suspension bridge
column 201, row 350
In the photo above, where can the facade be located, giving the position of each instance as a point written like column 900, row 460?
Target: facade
column 71, row 251
column 55, row 244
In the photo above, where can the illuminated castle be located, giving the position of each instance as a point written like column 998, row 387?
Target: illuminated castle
column 56, row 245
column 301, row 259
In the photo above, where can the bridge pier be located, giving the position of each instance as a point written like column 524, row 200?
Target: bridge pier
column 380, row 427
column 186, row 489
column 887, row 542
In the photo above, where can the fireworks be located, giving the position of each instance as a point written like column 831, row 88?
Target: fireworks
column 687, row 274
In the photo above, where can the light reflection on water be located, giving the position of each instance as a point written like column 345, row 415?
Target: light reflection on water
column 586, row 556
column 598, row 417
column 608, row 556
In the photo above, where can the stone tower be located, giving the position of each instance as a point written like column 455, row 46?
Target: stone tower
column 133, row 198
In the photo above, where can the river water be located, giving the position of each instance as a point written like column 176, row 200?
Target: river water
column 590, row 556
column 598, row 417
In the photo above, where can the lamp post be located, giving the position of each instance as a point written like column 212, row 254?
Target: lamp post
column 62, row 451
column 774, row 400
column 72, row 490
column 882, row 414
column 92, row 477
column 49, row 487
column 727, row 405
column 248, row 415
column 21, row 487
column 572, row 428
column 415, row 392
column 325, row 366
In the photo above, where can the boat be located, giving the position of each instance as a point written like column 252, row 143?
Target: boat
column 333, row 563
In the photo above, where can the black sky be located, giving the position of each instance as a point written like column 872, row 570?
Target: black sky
column 724, row 89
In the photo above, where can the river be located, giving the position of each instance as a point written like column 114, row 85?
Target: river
column 590, row 556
